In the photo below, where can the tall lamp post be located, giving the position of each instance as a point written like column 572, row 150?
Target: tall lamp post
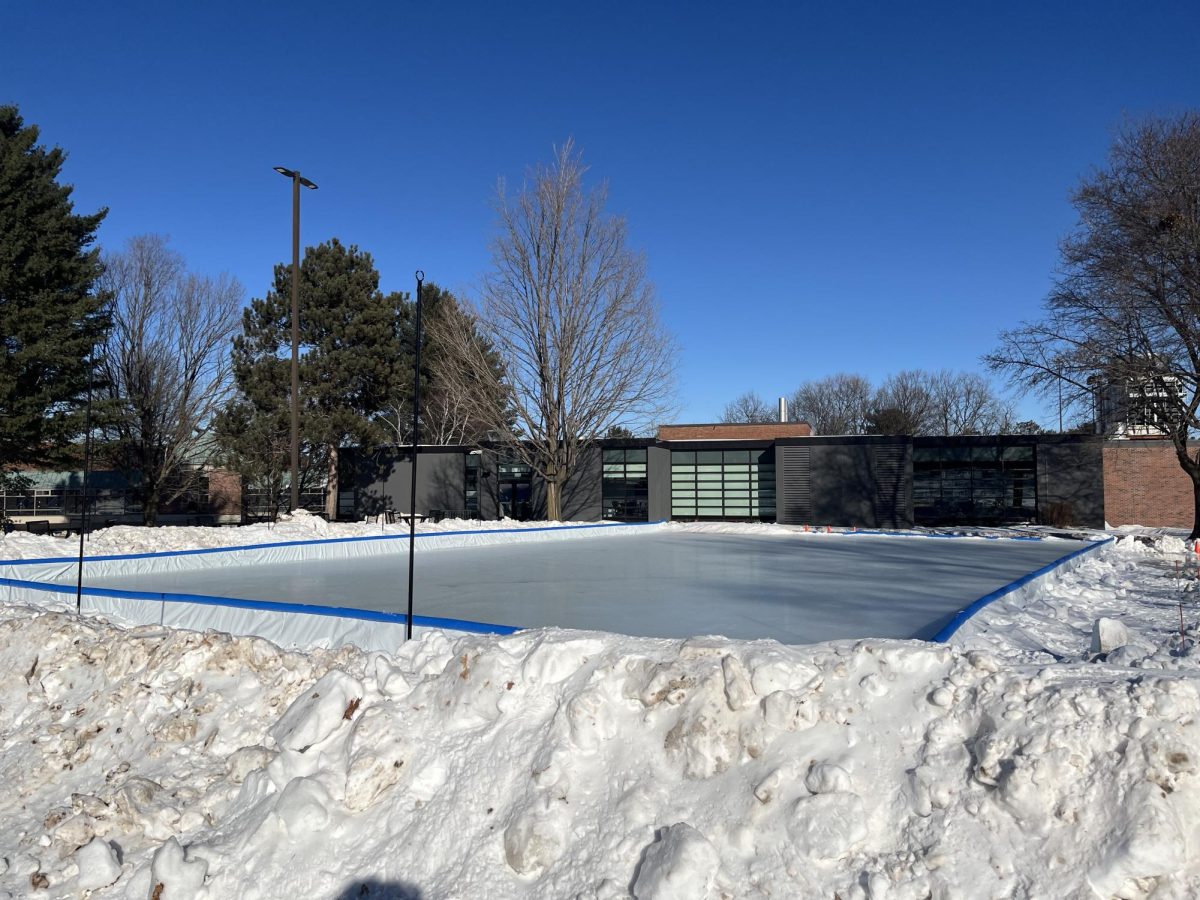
column 297, row 180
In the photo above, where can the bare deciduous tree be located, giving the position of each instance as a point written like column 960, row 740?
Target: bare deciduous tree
column 748, row 408
column 838, row 404
column 966, row 403
column 448, row 414
column 1126, row 309
column 903, row 404
column 571, row 316
column 910, row 402
column 166, row 366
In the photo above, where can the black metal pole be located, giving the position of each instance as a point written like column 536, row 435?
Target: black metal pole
column 295, row 503
column 416, row 434
column 83, row 509
column 297, row 181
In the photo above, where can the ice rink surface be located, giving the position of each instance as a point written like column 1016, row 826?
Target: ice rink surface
column 794, row 588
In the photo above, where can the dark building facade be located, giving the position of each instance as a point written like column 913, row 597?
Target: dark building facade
column 843, row 481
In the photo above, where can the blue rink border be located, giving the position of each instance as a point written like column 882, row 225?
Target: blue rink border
column 961, row 617
column 341, row 612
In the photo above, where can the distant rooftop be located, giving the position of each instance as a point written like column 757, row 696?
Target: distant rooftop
column 733, row 431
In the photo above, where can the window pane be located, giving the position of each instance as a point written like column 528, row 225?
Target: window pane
column 737, row 456
column 637, row 455
column 683, row 456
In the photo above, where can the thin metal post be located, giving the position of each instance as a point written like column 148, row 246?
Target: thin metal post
column 87, row 465
column 295, row 342
column 416, row 433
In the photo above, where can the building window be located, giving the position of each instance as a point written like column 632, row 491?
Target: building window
column 471, row 487
column 723, row 484
column 625, row 490
column 977, row 484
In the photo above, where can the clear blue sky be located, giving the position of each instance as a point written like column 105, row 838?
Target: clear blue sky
column 818, row 187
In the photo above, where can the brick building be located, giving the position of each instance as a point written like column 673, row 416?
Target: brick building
column 1144, row 485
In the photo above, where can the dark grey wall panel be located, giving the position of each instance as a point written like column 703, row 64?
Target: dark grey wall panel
column 861, row 482
column 582, row 492
column 489, row 500
column 383, row 479
column 1071, row 480
column 843, row 486
column 658, row 474
column 892, row 464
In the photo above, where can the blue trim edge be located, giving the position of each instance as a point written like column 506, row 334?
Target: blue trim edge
column 341, row 612
column 964, row 614
column 342, row 540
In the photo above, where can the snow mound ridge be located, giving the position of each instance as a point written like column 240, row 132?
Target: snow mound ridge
column 579, row 765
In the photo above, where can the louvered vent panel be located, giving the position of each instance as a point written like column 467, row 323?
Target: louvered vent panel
column 888, row 462
column 795, row 486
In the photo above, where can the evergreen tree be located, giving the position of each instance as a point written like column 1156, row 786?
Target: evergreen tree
column 352, row 353
column 51, row 316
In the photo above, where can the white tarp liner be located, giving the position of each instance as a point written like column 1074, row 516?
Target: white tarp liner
column 283, row 625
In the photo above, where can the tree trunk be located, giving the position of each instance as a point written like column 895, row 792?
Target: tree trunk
column 331, row 486
column 150, row 506
column 553, row 503
column 1195, row 507
column 1192, row 468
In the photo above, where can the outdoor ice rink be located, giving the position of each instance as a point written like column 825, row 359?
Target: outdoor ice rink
column 795, row 589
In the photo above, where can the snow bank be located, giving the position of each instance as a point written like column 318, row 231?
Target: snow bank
column 1138, row 584
column 581, row 765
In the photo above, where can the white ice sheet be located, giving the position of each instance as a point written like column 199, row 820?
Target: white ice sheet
column 794, row 588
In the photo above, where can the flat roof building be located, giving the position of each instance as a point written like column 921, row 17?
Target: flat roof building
column 771, row 472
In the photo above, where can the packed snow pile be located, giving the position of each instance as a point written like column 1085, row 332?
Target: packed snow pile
column 297, row 526
column 152, row 763
column 1140, row 586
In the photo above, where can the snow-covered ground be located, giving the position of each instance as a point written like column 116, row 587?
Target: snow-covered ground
column 151, row 763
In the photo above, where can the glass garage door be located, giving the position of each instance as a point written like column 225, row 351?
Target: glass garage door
column 723, row 484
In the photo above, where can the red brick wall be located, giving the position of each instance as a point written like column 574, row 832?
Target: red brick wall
column 1143, row 485
column 758, row 432
column 225, row 492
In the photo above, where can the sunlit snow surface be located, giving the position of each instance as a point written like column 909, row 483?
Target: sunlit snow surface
column 793, row 587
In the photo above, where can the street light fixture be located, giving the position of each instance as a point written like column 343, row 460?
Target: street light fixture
column 297, row 180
